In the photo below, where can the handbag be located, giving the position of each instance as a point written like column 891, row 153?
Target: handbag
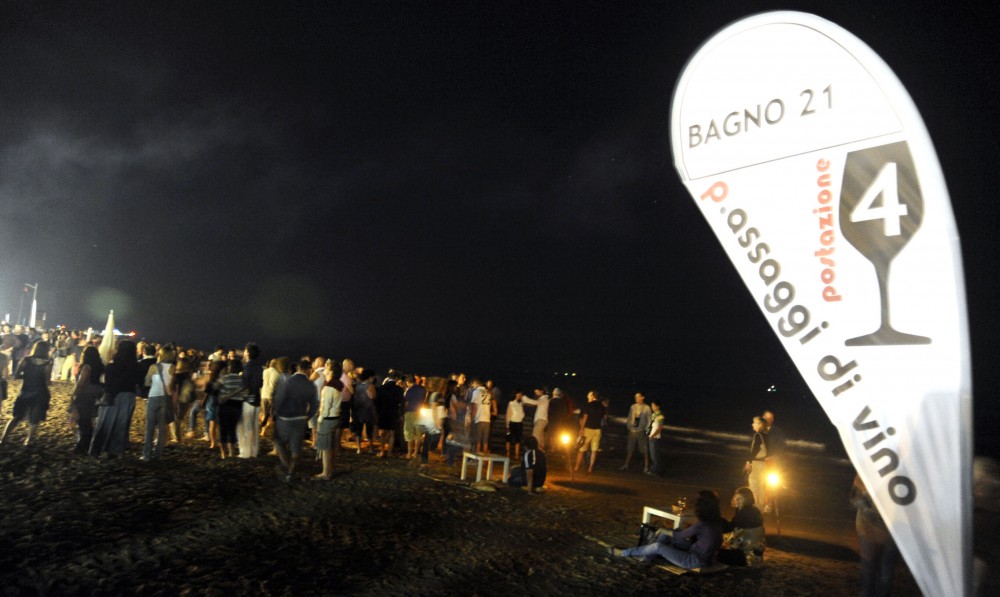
column 647, row 533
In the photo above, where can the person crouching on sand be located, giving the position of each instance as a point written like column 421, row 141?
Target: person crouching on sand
column 532, row 472
column 677, row 548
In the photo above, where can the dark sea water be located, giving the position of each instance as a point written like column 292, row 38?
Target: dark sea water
column 719, row 409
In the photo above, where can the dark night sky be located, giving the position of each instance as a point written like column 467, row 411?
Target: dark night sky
column 423, row 185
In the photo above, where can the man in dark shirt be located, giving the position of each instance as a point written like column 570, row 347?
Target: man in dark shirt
column 776, row 441
column 591, row 416
column 294, row 404
column 534, row 465
column 413, row 400
column 388, row 404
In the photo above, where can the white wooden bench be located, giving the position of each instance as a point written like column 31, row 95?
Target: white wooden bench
column 488, row 459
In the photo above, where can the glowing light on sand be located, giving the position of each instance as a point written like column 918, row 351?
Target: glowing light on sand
column 773, row 479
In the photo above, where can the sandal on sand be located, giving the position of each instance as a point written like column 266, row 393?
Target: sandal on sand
column 616, row 552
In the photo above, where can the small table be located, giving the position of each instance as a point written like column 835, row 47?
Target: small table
column 489, row 459
column 648, row 512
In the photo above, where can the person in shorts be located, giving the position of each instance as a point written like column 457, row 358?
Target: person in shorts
column 413, row 399
column 294, row 405
column 591, row 417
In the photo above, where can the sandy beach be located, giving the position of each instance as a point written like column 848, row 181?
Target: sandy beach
column 193, row 524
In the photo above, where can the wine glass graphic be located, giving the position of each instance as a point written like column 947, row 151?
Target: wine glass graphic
column 880, row 210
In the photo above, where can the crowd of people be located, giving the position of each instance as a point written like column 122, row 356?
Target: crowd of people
column 232, row 400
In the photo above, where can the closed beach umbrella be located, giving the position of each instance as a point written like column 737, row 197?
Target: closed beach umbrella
column 108, row 341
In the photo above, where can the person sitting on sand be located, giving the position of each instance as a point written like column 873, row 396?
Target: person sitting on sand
column 693, row 547
column 743, row 542
column 533, row 470
column 32, row 402
column 294, row 404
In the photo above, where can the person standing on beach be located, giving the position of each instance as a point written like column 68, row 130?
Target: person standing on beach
column 347, row 398
column 657, row 439
column 541, row 421
column 364, row 416
column 388, row 408
column 515, row 424
column 32, row 402
column 775, row 453
column 230, row 406
column 159, row 378
column 639, row 418
column 114, row 416
column 754, row 467
column 877, row 548
column 294, row 404
column 413, row 399
column 318, row 378
column 590, row 429
column 481, row 407
column 213, row 387
column 328, row 431
column 248, row 432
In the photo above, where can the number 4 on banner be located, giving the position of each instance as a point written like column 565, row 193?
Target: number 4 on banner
column 891, row 209
column 884, row 171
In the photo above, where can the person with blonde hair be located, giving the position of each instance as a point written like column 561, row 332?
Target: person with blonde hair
column 159, row 403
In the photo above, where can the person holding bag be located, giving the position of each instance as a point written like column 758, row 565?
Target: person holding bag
column 159, row 407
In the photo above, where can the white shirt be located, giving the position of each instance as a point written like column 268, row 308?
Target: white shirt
column 515, row 412
column 270, row 382
column 542, row 412
column 161, row 380
column 329, row 402
column 481, row 398
column 320, row 380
